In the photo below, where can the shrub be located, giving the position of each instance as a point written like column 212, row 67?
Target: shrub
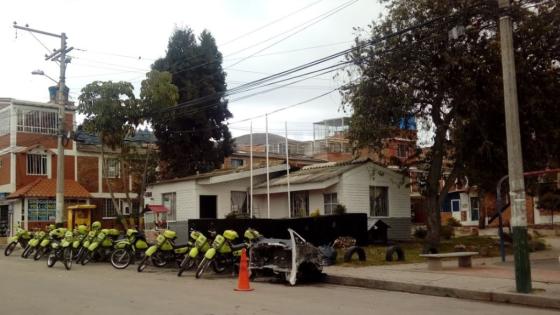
column 315, row 213
column 447, row 232
column 536, row 245
column 420, row 233
column 453, row 222
column 340, row 209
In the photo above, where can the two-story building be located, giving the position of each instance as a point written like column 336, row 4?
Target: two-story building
column 28, row 158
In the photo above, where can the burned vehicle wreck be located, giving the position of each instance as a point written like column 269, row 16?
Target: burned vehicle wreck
column 290, row 259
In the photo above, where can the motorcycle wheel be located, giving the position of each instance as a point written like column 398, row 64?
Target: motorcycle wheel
column 39, row 253
column 218, row 266
column 30, row 252
column 68, row 258
column 79, row 255
column 186, row 264
column 143, row 264
column 51, row 260
column 25, row 251
column 202, row 267
column 158, row 260
column 88, row 256
column 10, row 248
column 121, row 258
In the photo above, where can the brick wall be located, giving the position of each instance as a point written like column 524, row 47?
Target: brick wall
column 5, row 169
column 88, row 173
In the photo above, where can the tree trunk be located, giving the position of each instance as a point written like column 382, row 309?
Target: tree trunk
column 143, row 186
column 110, row 187
column 432, row 196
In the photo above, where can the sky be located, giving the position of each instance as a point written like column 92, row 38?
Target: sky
column 119, row 40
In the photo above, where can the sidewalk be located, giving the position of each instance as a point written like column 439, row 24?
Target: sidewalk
column 488, row 280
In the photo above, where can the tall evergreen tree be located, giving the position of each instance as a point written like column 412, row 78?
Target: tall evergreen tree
column 193, row 138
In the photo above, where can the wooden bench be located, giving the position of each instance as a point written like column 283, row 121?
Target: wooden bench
column 434, row 260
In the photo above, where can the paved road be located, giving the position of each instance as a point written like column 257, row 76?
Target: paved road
column 29, row 287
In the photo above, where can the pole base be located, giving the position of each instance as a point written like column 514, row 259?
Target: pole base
column 522, row 263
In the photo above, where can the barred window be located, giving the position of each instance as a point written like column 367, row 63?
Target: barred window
column 239, row 201
column 113, row 168
column 36, row 164
column 37, row 121
column 41, row 209
column 331, row 201
column 109, row 210
column 378, row 201
column 168, row 200
column 4, row 122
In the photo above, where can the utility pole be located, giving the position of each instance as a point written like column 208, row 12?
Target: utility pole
column 515, row 159
column 60, row 56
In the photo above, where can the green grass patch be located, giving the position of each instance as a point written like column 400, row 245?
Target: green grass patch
column 375, row 254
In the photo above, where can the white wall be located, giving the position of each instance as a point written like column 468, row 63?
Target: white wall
column 353, row 190
column 186, row 203
column 188, row 195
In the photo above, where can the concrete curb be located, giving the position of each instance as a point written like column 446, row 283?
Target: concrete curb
column 489, row 296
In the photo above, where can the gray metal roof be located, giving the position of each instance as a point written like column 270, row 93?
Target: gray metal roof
column 316, row 173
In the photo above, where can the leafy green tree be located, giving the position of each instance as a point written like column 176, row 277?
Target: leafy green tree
column 193, row 138
column 454, row 87
column 112, row 113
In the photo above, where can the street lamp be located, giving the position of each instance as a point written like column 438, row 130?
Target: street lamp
column 41, row 72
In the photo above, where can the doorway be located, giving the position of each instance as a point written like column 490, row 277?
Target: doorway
column 4, row 220
column 208, row 207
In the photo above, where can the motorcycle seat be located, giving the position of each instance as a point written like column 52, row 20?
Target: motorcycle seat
column 238, row 246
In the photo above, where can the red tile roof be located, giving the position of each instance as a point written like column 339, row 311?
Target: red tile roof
column 43, row 187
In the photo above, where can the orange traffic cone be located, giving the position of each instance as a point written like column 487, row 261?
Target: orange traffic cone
column 243, row 282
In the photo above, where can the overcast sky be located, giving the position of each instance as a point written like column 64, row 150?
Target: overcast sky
column 119, row 40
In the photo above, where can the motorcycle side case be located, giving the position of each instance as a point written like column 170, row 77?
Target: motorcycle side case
column 141, row 244
column 122, row 244
column 182, row 250
column 193, row 252
column 150, row 251
column 210, row 253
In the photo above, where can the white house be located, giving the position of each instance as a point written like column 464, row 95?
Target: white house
column 208, row 195
column 360, row 185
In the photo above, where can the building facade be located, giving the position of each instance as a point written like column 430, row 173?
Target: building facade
column 28, row 158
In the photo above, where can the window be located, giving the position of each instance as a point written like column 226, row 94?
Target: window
column 37, row 121
column 455, row 205
column 36, row 164
column 168, row 201
column 402, row 151
column 41, row 209
column 235, row 163
column 300, row 203
column 4, row 122
column 330, row 202
column 239, row 201
column 109, row 210
column 113, row 168
column 378, row 201
column 475, row 208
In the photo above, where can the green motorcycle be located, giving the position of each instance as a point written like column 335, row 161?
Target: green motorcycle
column 201, row 246
column 222, row 254
column 165, row 250
column 33, row 244
column 44, row 246
column 62, row 250
column 127, row 250
column 101, row 247
column 80, row 235
column 22, row 237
